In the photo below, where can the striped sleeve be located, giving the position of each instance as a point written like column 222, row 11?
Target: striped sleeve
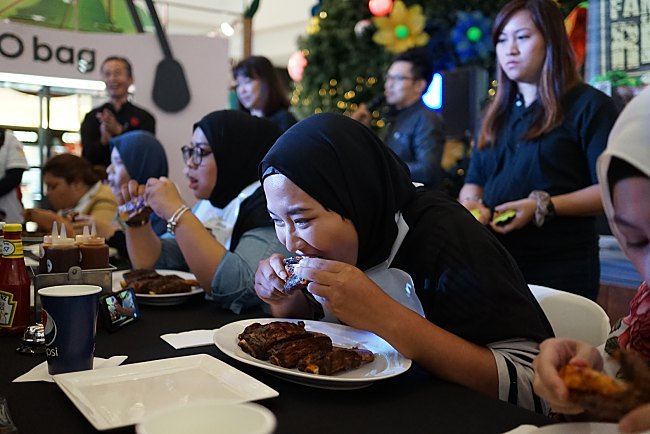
column 514, row 359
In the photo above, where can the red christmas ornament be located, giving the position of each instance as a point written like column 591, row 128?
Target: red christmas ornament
column 379, row 8
column 296, row 65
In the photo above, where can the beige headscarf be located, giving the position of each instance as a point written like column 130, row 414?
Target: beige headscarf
column 629, row 141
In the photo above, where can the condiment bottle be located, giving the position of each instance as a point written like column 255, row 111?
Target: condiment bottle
column 14, row 283
column 42, row 253
column 80, row 239
column 45, row 247
column 93, row 252
column 63, row 254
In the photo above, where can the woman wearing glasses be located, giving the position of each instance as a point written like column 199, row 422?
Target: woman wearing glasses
column 222, row 239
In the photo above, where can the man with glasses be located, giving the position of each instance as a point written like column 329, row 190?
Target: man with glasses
column 115, row 117
column 414, row 131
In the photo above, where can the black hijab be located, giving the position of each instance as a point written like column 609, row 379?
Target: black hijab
column 466, row 281
column 346, row 167
column 239, row 141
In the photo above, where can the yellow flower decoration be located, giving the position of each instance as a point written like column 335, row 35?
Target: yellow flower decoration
column 313, row 26
column 402, row 29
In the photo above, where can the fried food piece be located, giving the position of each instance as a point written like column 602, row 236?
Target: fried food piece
column 584, row 379
column 293, row 282
column 135, row 213
column 605, row 397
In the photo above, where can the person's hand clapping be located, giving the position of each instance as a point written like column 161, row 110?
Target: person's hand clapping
column 109, row 122
column 553, row 354
column 162, row 196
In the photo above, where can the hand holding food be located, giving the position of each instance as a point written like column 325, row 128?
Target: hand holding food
column 162, row 196
column 130, row 192
column 503, row 218
column 604, row 397
column 270, row 279
column 345, row 291
column 293, row 282
column 513, row 215
column 135, row 212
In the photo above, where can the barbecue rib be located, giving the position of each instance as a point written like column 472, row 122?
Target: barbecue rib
column 257, row 339
column 336, row 360
column 289, row 345
column 145, row 281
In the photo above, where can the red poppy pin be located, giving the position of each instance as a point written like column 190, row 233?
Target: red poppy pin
column 134, row 122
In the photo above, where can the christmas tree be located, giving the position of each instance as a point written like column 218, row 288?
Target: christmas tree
column 345, row 58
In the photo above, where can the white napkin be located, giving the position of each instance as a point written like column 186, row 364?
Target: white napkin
column 189, row 339
column 523, row 429
column 39, row 372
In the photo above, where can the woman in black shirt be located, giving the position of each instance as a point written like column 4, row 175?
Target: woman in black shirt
column 537, row 152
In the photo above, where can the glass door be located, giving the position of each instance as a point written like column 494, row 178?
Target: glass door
column 46, row 120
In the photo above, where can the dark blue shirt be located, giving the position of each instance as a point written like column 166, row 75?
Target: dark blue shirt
column 559, row 162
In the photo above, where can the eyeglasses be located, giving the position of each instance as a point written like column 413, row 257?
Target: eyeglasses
column 196, row 153
column 397, row 77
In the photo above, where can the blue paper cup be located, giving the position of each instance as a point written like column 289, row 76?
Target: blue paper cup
column 70, row 320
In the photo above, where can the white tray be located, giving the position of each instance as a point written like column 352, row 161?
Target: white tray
column 121, row 396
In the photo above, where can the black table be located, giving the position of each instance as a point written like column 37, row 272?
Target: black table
column 414, row 402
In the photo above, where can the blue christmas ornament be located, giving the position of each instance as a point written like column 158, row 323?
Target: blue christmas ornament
column 471, row 36
column 316, row 8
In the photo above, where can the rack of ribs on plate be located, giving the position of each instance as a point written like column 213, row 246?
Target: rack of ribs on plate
column 145, row 281
column 289, row 345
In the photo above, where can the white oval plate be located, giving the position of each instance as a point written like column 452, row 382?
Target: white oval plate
column 388, row 362
column 208, row 418
column 160, row 299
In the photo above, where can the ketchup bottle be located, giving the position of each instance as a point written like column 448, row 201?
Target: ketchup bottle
column 14, row 283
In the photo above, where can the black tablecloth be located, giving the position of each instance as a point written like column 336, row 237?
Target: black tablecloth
column 414, row 402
